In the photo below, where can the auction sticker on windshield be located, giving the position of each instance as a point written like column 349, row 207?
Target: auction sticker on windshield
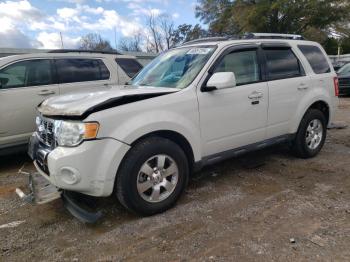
column 199, row 51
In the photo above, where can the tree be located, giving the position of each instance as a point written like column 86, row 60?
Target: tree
column 154, row 40
column 166, row 25
column 94, row 42
column 131, row 44
column 186, row 32
column 218, row 15
column 274, row 16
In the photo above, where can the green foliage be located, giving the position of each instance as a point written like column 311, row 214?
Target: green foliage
column 277, row 16
column 186, row 32
column 315, row 19
column 217, row 14
column 331, row 46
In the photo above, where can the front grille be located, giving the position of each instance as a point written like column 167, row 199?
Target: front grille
column 45, row 131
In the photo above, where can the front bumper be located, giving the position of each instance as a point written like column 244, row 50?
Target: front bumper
column 41, row 191
column 89, row 168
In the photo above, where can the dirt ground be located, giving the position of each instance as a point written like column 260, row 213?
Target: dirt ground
column 245, row 209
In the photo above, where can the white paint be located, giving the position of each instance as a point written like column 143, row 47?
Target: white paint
column 12, row 224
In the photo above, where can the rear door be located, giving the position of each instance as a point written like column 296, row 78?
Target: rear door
column 82, row 75
column 24, row 84
column 322, row 77
column 287, row 83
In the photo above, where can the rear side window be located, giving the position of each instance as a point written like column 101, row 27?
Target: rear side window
column 81, row 70
column 130, row 66
column 26, row 73
column 282, row 63
column 316, row 58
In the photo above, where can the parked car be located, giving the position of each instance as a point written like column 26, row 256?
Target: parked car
column 193, row 106
column 344, row 80
column 27, row 80
column 338, row 65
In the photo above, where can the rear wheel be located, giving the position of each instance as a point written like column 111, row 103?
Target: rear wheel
column 311, row 134
column 152, row 176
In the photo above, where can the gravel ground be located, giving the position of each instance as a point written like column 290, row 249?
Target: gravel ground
column 265, row 206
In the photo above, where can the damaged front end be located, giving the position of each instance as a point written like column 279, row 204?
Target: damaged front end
column 41, row 190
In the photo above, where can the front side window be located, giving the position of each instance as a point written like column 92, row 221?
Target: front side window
column 176, row 68
column 26, row 73
column 244, row 64
column 282, row 63
column 130, row 66
column 316, row 58
column 81, row 70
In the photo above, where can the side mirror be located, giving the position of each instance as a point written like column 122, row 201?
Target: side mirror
column 221, row 80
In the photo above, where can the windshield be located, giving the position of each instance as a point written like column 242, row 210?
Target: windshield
column 176, row 68
column 344, row 70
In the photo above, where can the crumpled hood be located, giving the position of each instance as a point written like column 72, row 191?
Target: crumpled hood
column 80, row 105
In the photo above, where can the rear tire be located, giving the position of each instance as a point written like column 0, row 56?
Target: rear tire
column 152, row 176
column 311, row 134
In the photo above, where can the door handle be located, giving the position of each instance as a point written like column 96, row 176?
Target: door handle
column 303, row 87
column 255, row 95
column 46, row 92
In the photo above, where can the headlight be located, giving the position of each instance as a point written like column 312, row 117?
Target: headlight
column 73, row 133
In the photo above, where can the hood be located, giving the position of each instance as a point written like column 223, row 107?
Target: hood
column 80, row 105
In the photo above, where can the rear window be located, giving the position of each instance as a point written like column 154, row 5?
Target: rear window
column 81, row 70
column 282, row 63
column 316, row 58
column 130, row 66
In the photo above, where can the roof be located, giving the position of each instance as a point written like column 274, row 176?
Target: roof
column 250, row 41
column 10, row 58
column 17, row 51
column 250, row 37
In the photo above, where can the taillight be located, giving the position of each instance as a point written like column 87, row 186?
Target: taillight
column 336, row 86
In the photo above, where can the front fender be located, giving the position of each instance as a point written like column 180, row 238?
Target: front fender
column 153, row 121
column 177, row 112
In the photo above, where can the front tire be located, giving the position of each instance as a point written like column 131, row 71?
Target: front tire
column 152, row 176
column 311, row 134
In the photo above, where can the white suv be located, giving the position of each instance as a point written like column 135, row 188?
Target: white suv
column 27, row 80
column 192, row 106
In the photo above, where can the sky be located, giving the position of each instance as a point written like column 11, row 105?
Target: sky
column 38, row 23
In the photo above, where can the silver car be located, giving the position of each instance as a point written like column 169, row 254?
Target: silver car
column 27, row 80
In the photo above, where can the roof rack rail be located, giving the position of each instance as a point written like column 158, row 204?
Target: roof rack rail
column 83, row 51
column 272, row 36
column 206, row 39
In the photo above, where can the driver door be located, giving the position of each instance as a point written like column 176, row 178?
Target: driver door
column 234, row 117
